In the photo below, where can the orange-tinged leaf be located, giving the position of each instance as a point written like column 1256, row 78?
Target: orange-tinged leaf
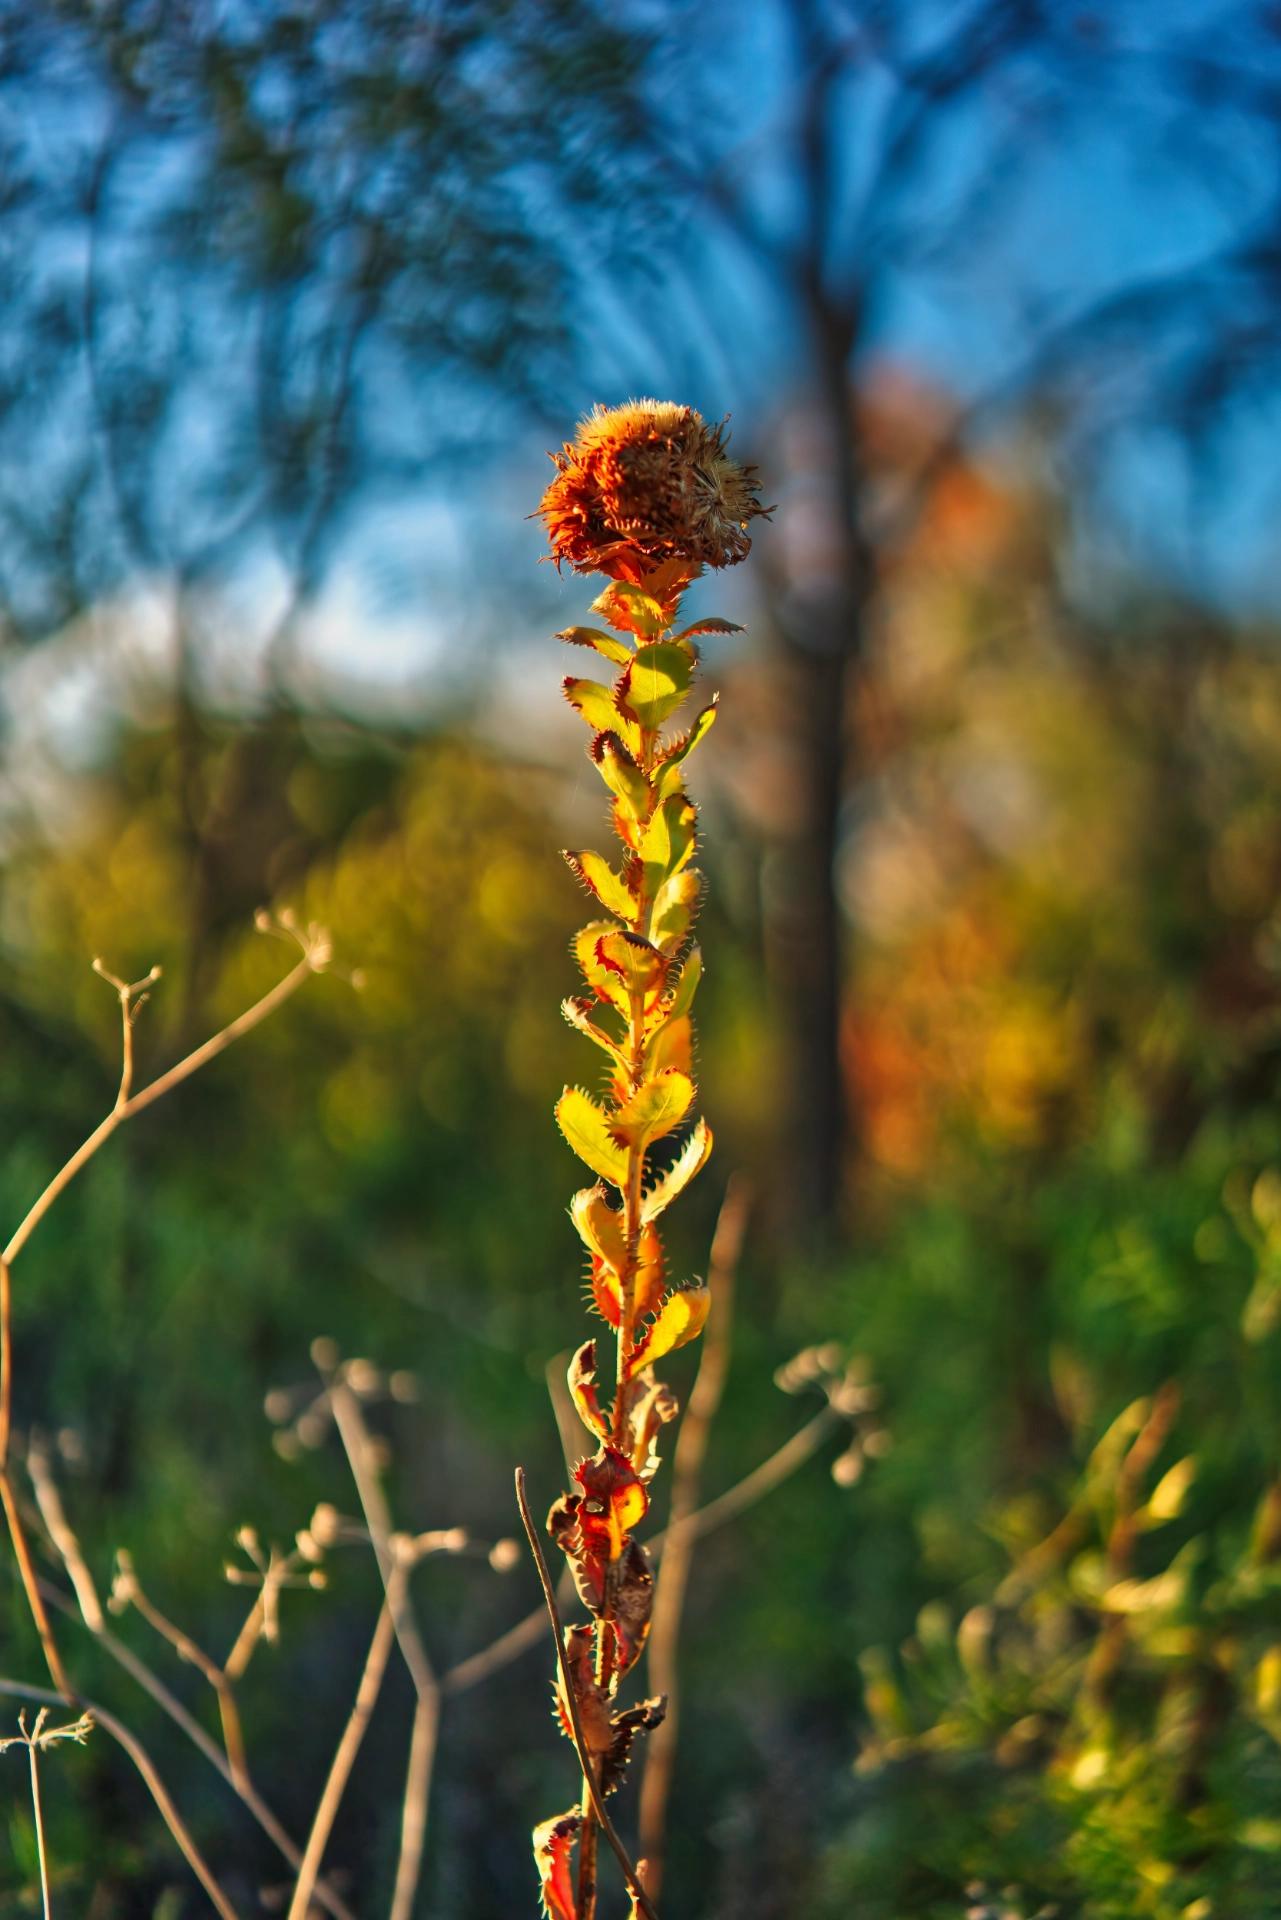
column 582, row 1386
column 578, row 1014
column 634, row 961
column 672, row 1045
column 653, row 686
column 710, row 625
column 630, row 609
column 651, row 1273
column 606, row 982
column 599, row 878
column 600, row 1226
column 597, row 706
column 613, row 1501
column 586, row 1129
column 654, row 1110
column 690, row 1160
column 668, row 842
column 604, row 643
column 632, row 1604
column 554, row 1843
column 607, row 1295
column 675, row 905
column 680, row 1318
column 590, row 1698
column 621, row 774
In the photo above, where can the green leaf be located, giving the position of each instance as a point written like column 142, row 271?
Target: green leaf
column 596, row 703
column 655, row 683
column 710, row 625
column 675, row 905
column 680, row 1319
column 656, row 1107
column 599, row 878
column 603, row 643
column 681, row 749
column 586, row 1129
column 621, row 774
column 600, row 1226
column 691, row 1159
column 668, row 842
column 630, row 609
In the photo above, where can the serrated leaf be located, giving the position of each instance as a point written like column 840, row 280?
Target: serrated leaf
column 581, row 1380
column 621, row 774
column 596, row 704
column 675, row 904
column 585, row 1127
column 671, row 1045
column 630, row 609
column 710, row 625
column 654, row 1110
column 639, row 1719
column 605, row 982
column 613, row 1502
column 603, row 643
column 690, row 1160
column 681, row 997
column 680, row 1319
column 634, row 961
column 655, row 683
column 600, row 1226
column 681, row 749
column 668, row 842
column 599, row 878
column 578, row 1014
column 554, row 1843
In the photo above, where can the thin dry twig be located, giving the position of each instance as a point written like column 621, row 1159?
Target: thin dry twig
column 344, row 1759
column 687, row 1467
column 357, row 1444
column 639, row 1896
column 127, row 1591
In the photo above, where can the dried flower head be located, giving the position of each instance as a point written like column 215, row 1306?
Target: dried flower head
column 644, row 483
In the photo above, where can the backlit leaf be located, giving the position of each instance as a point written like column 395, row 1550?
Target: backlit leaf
column 680, row 998
column 668, row 842
column 654, row 1110
column 681, row 749
column 655, row 683
column 596, row 704
column 554, row 1843
column 578, row 1013
column 630, row 609
column 586, row 1129
column 639, row 1719
column 621, row 774
column 600, row 1226
column 591, row 1699
column 710, row 625
column 599, row 878
column 675, row 904
column 634, row 961
column 680, row 1319
column 606, row 982
column 582, row 1386
column 672, row 1045
column 691, row 1159
column 604, row 643
column 632, row 1605
column 613, row 1501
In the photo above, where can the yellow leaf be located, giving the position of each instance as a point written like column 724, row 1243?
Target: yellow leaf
column 621, row 774
column 584, row 1126
column 597, row 705
column 605, row 981
column 672, row 1045
column 675, row 904
column 581, row 1380
column 600, row 1226
column 604, row 643
column 681, row 749
column 653, row 1110
column 599, row 878
column 680, row 1319
column 638, row 965
column 691, row 1159
column 668, row 842
column 578, row 1014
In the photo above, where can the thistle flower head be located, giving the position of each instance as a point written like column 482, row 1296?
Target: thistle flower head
column 645, row 483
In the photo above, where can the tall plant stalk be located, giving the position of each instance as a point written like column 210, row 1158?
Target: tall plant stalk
column 646, row 495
